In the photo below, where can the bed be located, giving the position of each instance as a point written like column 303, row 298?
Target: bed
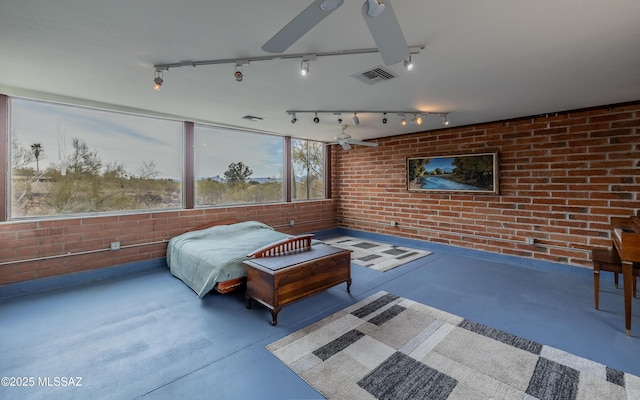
column 211, row 256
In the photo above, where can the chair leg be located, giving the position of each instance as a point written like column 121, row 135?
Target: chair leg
column 596, row 286
column 615, row 278
column 635, row 282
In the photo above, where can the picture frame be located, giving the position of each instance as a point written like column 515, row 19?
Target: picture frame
column 467, row 173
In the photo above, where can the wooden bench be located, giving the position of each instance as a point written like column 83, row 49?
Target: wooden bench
column 282, row 273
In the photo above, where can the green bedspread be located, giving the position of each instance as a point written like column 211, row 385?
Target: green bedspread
column 202, row 258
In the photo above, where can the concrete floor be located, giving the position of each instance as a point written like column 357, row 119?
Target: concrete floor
column 147, row 335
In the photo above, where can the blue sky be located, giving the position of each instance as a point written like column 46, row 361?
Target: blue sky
column 262, row 153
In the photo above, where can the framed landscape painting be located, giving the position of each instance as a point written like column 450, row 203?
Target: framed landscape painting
column 474, row 173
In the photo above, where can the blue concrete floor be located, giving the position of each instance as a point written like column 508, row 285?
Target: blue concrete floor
column 148, row 335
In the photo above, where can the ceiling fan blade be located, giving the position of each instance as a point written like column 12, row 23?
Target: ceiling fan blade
column 301, row 24
column 361, row 143
column 387, row 34
column 346, row 143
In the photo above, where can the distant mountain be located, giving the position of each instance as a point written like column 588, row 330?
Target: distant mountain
column 221, row 179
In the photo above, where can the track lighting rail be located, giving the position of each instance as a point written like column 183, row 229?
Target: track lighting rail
column 417, row 115
column 340, row 112
column 246, row 60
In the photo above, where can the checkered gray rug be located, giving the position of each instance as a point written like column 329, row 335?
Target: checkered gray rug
column 374, row 255
column 387, row 347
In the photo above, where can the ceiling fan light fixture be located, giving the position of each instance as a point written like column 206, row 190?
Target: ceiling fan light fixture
column 345, row 140
column 157, row 80
column 355, row 119
column 376, row 7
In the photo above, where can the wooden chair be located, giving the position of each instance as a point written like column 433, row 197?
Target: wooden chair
column 609, row 260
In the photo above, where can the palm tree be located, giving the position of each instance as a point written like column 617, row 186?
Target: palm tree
column 37, row 151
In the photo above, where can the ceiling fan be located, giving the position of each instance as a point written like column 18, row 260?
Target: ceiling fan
column 378, row 15
column 345, row 140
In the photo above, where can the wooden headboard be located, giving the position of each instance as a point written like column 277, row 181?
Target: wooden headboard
column 289, row 245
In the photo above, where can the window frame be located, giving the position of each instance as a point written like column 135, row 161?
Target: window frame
column 7, row 156
column 188, row 167
column 283, row 163
column 323, row 166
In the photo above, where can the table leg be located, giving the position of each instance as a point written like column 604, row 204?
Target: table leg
column 627, row 277
column 349, row 286
column 274, row 316
column 249, row 301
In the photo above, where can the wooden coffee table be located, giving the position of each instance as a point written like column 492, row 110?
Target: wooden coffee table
column 280, row 280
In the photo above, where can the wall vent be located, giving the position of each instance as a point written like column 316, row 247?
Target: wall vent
column 374, row 75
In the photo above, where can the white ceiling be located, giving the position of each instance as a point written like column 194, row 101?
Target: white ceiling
column 484, row 60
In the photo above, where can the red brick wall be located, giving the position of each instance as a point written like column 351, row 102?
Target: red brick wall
column 55, row 243
column 562, row 177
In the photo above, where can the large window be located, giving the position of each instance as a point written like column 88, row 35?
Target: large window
column 307, row 164
column 236, row 167
column 68, row 160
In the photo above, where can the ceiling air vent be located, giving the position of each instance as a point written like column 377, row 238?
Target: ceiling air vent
column 374, row 75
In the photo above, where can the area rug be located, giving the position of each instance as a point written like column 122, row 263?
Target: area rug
column 388, row 347
column 374, row 255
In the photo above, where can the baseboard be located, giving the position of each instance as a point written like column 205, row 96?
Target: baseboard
column 461, row 251
column 79, row 278
column 100, row 274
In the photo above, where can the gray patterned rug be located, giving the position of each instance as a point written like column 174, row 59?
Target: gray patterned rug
column 374, row 255
column 387, row 347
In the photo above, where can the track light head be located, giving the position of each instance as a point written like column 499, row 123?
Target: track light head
column 384, row 118
column 445, row 120
column 355, row 119
column 403, row 122
column 294, row 119
column 157, row 81
column 316, row 119
column 238, row 73
column 304, row 67
column 408, row 64
column 419, row 120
